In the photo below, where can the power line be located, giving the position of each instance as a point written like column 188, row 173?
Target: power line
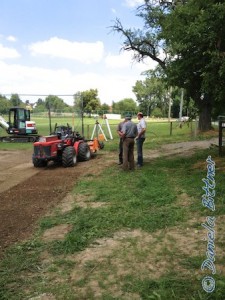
column 36, row 95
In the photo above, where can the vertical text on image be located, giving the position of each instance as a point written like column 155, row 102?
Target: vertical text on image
column 208, row 282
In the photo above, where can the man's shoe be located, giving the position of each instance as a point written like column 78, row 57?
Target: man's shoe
column 120, row 163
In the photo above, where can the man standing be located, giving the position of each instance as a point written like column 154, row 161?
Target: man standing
column 129, row 132
column 120, row 133
column 141, row 126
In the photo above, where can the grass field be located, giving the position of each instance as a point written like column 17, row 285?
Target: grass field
column 159, row 131
column 138, row 236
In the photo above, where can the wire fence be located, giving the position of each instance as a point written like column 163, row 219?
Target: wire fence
column 86, row 122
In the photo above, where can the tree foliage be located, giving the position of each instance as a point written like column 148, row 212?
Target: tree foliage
column 87, row 100
column 196, row 34
column 151, row 93
column 187, row 39
column 105, row 107
column 5, row 105
column 124, row 106
column 15, row 100
column 54, row 103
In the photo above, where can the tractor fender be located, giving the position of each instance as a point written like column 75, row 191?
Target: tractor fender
column 76, row 145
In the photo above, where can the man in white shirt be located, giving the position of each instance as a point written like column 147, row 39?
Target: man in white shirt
column 141, row 126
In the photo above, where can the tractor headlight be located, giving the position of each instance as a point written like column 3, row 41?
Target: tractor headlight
column 42, row 139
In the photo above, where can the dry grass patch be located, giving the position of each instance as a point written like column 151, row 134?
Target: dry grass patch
column 56, row 233
column 44, row 297
column 71, row 201
column 202, row 165
column 104, row 266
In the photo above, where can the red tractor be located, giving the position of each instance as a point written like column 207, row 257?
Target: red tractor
column 64, row 146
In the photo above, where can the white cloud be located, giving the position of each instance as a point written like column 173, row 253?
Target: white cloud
column 125, row 60
column 133, row 3
column 113, row 10
column 40, row 81
column 83, row 52
column 6, row 52
column 122, row 60
column 11, row 38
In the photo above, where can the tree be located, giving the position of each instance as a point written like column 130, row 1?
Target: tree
column 105, row 107
column 55, row 103
column 147, row 42
column 39, row 106
column 87, row 100
column 15, row 100
column 124, row 106
column 5, row 105
column 187, row 39
column 150, row 94
column 196, row 37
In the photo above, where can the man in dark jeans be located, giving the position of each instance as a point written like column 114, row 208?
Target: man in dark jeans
column 141, row 126
column 119, row 131
column 130, row 132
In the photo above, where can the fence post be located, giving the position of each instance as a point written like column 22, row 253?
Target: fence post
column 88, row 131
column 196, row 126
column 171, row 128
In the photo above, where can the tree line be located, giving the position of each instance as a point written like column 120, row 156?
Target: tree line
column 151, row 95
column 85, row 101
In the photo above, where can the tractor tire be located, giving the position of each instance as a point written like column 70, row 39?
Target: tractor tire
column 84, row 152
column 69, row 157
column 101, row 145
column 38, row 163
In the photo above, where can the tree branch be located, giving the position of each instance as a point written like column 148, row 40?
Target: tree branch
column 142, row 46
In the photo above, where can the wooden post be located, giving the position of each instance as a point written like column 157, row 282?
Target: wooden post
column 181, row 104
column 88, row 131
column 171, row 128
column 196, row 126
column 170, row 103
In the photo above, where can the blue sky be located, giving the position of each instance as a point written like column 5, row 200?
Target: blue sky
column 61, row 47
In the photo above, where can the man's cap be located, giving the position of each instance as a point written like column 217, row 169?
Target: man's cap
column 128, row 117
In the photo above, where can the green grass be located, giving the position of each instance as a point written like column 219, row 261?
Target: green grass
column 146, row 201
column 134, row 204
column 158, row 133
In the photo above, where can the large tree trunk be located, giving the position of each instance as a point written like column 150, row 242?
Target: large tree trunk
column 205, row 110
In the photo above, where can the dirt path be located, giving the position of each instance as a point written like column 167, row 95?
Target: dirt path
column 27, row 193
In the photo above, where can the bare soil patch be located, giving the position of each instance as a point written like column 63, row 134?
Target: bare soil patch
column 56, row 233
column 27, row 193
column 138, row 253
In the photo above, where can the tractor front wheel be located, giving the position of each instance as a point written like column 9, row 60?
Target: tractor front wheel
column 38, row 163
column 84, row 152
column 69, row 157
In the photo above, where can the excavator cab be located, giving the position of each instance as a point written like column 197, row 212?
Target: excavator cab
column 19, row 122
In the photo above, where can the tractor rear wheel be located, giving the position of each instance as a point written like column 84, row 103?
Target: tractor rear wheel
column 84, row 152
column 69, row 157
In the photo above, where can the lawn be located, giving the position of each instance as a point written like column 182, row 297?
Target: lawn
column 159, row 131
